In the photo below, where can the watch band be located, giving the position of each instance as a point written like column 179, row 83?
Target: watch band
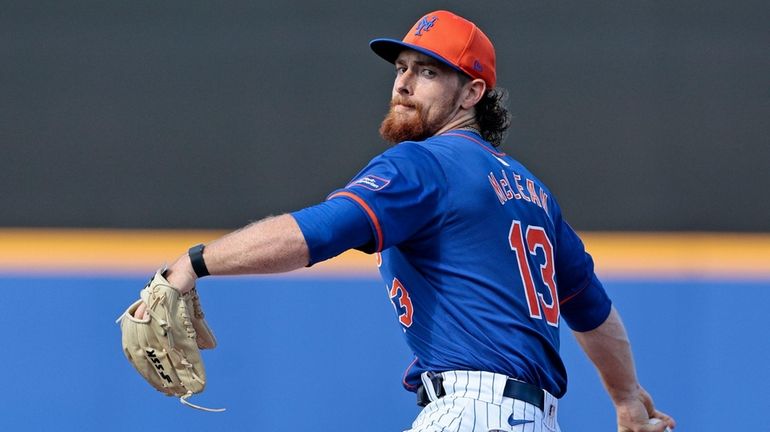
column 196, row 259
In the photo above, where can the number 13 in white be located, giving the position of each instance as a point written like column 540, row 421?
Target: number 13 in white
column 536, row 238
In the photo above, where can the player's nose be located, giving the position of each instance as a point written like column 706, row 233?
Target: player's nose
column 404, row 83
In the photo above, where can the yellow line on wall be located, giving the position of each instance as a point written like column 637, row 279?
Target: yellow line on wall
column 94, row 250
column 632, row 255
column 680, row 255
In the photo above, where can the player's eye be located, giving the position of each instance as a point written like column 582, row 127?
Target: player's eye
column 400, row 70
column 429, row 73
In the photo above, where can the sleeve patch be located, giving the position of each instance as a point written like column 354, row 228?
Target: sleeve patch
column 371, row 182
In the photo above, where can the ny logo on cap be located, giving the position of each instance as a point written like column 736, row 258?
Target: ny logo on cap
column 424, row 25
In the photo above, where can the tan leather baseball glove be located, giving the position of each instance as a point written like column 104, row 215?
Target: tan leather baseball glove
column 164, row 345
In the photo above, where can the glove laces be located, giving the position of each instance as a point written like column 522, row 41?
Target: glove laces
column 184, row 400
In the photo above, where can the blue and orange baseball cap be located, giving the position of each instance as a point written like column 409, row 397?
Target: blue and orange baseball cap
column 449, row 38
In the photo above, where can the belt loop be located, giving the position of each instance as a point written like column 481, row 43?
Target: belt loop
column 428, row 385
column 550, row 408
column 432, row 388
column 498, row 388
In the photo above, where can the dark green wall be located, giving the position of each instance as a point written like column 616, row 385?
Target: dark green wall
column 639, row 115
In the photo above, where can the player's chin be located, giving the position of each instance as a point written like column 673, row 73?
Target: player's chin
column 401, row 127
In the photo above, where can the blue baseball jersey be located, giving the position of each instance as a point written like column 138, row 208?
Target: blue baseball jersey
column 477, row 260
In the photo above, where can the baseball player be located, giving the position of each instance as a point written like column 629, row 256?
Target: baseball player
column 478, row 261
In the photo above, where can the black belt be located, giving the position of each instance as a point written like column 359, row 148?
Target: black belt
column 513, row 389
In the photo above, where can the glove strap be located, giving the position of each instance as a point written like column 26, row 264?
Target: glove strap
column 196, row 259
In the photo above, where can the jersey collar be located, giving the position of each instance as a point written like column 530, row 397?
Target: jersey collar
column 475, row 137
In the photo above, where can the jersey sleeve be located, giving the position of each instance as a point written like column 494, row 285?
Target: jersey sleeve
column 400, row 193
column 583, row 301
column 333, row 227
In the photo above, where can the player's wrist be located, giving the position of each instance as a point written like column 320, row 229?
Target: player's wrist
column 623, row 394
column 197, row 262
column 181, row 275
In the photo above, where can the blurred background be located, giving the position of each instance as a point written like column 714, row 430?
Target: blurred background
column 648, row 120
column 646, row 115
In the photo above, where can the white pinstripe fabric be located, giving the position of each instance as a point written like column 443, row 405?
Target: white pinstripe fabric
column 474, row 403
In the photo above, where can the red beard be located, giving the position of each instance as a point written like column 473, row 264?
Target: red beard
column 405, row 126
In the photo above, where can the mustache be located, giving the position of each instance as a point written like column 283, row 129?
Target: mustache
column 398, row 100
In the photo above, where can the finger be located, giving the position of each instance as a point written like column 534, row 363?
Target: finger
column 665, row 418
column 141, row 311
column 658, row 425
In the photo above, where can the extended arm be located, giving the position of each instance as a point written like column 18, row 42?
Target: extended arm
column 609, row 349
column 272, row 245
column 279, row 244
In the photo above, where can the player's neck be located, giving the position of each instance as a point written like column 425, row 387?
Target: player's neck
column 472, row 128
column 463, row 123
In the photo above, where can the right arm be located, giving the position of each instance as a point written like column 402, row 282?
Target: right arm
column 598, row 328
column 609, row 349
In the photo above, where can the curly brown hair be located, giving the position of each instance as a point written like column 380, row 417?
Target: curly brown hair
column 492, row 116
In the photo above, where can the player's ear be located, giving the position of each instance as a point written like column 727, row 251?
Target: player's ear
column 472, row 92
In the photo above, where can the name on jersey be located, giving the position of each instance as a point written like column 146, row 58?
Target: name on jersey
column 371, row 182
column 507, row 190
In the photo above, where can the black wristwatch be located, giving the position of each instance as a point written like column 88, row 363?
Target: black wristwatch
column 196, row 259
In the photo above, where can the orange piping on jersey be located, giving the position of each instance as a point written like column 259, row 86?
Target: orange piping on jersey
column 406, row 372
column 573, row 295
column 368, row 211
column 476, row 141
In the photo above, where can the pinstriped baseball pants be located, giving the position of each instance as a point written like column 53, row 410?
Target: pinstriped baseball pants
column 474, row 403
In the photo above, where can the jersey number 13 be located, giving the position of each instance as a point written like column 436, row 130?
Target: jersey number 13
column 529, row 242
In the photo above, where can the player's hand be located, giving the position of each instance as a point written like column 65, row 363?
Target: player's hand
column 181, row 277
column 634, row 415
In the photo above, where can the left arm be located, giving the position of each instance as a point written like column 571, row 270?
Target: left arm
column 272, row 245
